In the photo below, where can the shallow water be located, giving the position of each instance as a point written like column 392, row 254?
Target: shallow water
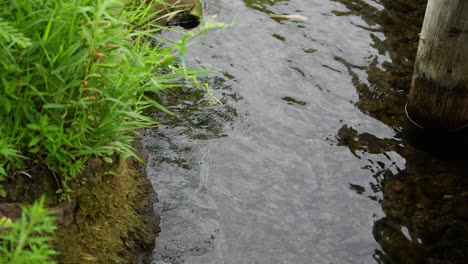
column 304, row 162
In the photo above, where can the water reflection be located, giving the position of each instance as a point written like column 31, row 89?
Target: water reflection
column 425, row 203
column 384, row 96
column 428, row 200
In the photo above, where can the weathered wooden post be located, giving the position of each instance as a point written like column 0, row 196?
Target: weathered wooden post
column 438, row 98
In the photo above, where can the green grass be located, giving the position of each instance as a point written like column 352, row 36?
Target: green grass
column 28, row 240
column 76, row 77
column 74, row 81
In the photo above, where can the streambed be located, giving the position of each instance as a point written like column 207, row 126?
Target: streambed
column 304, row 161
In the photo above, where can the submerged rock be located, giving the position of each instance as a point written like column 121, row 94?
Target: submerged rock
column 186, row 13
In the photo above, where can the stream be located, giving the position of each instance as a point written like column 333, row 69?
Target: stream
column 303, row 161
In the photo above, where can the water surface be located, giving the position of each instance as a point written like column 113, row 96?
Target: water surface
column 303, row 161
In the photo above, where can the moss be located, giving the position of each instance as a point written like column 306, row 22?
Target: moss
column 310, row 50
column 114, row 222
column 197, row 10
column 278, row 36
column 292, row 100
column 341, row 13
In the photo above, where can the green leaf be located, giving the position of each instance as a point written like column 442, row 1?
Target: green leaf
column 34, row 141
column 45, row 36
column 2, row 192
column 9, row 33
column 6, row 104
column 53, row 128
column 53, row 106
column 44, row 121
column 35, row 149
column 34, row 127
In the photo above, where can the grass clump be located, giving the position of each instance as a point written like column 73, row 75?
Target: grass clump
column 27, row 240
column 74, row 81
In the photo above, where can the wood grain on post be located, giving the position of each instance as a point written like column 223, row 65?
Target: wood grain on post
column 438, row 97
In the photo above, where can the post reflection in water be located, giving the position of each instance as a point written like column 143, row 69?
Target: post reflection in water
column 425, row 204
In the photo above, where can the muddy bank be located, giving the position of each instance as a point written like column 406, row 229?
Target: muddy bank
column 110, row 218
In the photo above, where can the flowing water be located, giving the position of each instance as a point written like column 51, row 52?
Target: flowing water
column 303, row 162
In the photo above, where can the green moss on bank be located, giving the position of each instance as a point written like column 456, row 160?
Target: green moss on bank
column 114, row 222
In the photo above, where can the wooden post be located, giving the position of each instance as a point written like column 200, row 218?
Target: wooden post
column 438, row 98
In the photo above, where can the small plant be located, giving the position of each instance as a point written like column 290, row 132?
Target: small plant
column 27, row 240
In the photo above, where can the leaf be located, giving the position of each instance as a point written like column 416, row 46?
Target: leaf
column 44, row 121
column 35, row 149
column 34, row 127
column 53, row 128
column 45, row 36
column 11, row 34
column 53, row 106
column 34, row 141
column 6, row 104
column 159, row 106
